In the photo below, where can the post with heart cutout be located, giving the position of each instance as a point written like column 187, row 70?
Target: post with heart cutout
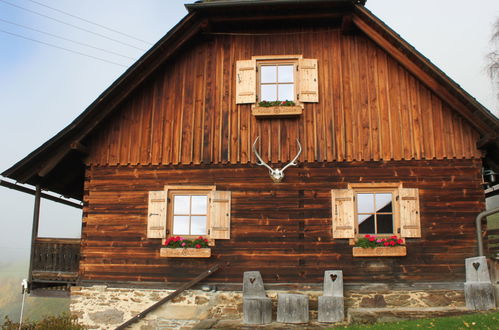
column 257, row 308
column 331, row 304
column 478, row 289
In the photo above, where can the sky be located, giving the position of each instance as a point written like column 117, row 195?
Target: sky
column 46, row 81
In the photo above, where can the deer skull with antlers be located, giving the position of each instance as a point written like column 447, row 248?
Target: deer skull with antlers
column 276, row 174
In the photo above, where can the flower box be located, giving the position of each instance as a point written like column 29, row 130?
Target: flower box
column 185, row 253
column 277, row 111
column 382, row 251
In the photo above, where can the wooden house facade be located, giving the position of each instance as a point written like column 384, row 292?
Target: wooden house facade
column 390, row 146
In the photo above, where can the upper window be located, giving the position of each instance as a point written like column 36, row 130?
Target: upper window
column 189, row 211
column 277, row 82
column 277, row 78
column 380, row 209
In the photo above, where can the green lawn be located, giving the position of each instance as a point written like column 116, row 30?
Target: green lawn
column 488, row 320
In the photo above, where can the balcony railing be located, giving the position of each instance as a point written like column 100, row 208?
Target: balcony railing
column 56, row 260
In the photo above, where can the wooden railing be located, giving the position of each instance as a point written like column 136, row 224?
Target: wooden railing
column 56, row 259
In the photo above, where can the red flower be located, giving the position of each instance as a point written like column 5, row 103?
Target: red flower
column 200, row 237
column 176, row 239
column 198, row 246
column 367, row 236
column 393, row 237
column 206, row 240
column 372, row 239
column 383, row 240
column 392, row 243
column 400, row 241
column 386, row 243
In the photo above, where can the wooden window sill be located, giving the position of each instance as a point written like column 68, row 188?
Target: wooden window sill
column 277, row 111
column 185, row 253
column 393, row 251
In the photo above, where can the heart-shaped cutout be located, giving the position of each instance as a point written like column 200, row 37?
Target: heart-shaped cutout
column 334, row 277
column 476, row 265
column 252, row 279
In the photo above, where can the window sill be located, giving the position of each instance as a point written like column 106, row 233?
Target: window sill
column 185, row 253
column 277, row 111
column 394, row 251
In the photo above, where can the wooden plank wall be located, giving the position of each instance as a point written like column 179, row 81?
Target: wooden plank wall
column 282, row 230
column 370, row 109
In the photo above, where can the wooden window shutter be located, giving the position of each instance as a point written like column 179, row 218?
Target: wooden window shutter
column 156, row 214
column 308, row 80
column 220, row 214
column 245, row 81
column 343, row 213
column 410, row 224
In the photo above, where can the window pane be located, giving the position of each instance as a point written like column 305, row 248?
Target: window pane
column 269, row 74
column 181, row 204
column 286, row 92
column 180, row 225
column 269, row 93
column 198, row 225
column 365, row 203
column 385, row 223
column 366, row 224
column 199, row 204
column 383, row 202
column 285, row 73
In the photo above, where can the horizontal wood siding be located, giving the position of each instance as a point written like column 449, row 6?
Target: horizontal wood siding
column 283, row 230
column 370, row 108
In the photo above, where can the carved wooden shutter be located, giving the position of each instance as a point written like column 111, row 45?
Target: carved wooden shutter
column 246, row 81
column 410, row 224
column 308, row 80
column 220, row 214
column 343, row 213
column 156, row 214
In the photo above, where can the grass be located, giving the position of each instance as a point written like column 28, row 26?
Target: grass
column 489, row 320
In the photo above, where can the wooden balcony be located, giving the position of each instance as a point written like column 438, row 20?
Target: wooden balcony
column 55, row 262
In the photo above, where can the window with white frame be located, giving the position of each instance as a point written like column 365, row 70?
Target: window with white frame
column 189, row 211
column 277, row 78
column 375, row 208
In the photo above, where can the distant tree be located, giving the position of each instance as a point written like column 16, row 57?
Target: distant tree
column 493, row 57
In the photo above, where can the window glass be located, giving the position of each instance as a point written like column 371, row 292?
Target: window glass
column 285, row 92
column 180, row 225
column 199, row 204
column 365, row 203
column 198, row 225
column 268, row 93
column 285, row 73
column 181, row 204
column 374, row 213
column 383, row 202
column 366, row 224
column 385, row 223
column 269, row 74
column 190, row 214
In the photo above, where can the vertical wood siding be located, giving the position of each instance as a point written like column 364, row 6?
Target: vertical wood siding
column 370, row 109
column 283, row 230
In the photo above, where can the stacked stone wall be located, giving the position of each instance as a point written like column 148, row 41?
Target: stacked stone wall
column 102, row 307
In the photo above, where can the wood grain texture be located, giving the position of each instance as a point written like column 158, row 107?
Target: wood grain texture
column 370, row 108
column 283, row 230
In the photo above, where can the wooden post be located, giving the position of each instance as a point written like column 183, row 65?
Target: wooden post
column 34, row 233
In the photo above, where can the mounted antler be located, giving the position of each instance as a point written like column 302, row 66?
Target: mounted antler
column 276, row 174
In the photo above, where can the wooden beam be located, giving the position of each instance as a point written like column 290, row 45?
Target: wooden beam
column 43, row 195
column 184, row 287
column 420, row 73
column 347, row 26
column 34, row 232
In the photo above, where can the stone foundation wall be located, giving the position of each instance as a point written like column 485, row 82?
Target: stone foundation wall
column 101, row 307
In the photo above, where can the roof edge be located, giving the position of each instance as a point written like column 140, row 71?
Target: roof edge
column 203, row 5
